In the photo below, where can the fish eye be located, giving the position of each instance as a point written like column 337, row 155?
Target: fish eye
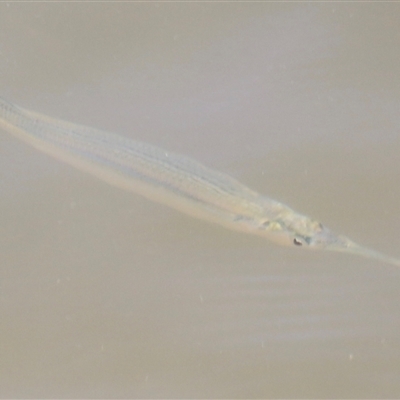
column 265, row 224
column 297, row 242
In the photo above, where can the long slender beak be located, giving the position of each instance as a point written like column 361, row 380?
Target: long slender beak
column 345, row 245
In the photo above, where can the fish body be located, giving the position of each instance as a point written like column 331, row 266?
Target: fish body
column 175, row 180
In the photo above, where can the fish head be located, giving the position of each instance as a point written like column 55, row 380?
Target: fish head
column 293, row 229
column 290, row 228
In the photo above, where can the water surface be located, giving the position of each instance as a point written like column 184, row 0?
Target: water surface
column 104, row 294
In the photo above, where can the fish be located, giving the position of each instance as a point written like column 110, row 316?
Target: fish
column 174, row 180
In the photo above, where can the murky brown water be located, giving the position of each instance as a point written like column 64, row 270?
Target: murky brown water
column 103, row 294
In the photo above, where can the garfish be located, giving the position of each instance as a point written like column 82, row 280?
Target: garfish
column 174, row 180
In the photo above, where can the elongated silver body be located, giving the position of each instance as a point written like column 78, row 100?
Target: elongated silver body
column 175, row 180
column 172, row 179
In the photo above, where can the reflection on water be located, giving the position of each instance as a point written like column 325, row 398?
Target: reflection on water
column 103, row 294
